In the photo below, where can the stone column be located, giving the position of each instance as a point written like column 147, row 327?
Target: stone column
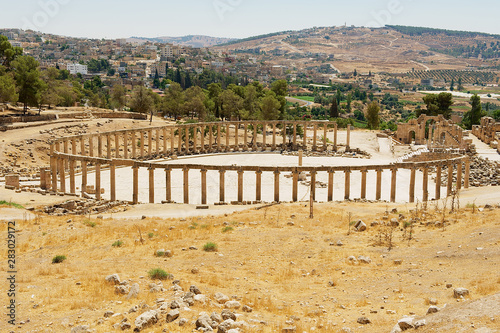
column 133, row 144
column 335, row 137
column 117, row 145
column 82, row 145
column 294, row 125
column 412, row 184
column 210, row 137
column 284, row 136
column 202, row 139
column 142, row 144
column 236, row 144
column 125, row 145
column 203, row 186
column 363, row 183
column 112, row 176
column 222, row 186
column 254, row 140
column 313, row 185
column 62, row 175
column 151, row 184
column 84, row 177
column 438, row 182
column 347, row 185
column 98, row 181
column 304, row 140
column 258, row 186
column 45, row 177
column 425, row 185
column 195, row 140
column 53, row 168
column 165, row 148
column 450, row 180
column 379, row 185
column 180, row 150
column 393, row 184
column 99, row 145
column 467, row 173
column 331, row 174
column 73, row 146
column 65, row 145
column 325, row 133
column 227, row 136
column 240, row 185
column 277, row 186
column 72, row 185
column 135, row 188
column 459, row 175
column 301, row 154
column 264, row 137
column 91, row 145
column 315, row 134
column 157, row 134
column 218, row 136
column 150, row 143
column 348, row 145
column 172, row 140
column 108, row 146
column 168, row 183
column 186, row 185
column 273, row 147
column 245, row 137
column 295, row 186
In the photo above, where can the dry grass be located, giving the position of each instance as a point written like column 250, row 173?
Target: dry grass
column 281, row 271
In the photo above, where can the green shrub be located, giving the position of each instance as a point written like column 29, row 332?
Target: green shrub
column 159, row 274
column 89, row 223
column 118, row 243
column 151, row 235
column 11, row 204
column 210, row 247
column 58, row 259
column 226, row 229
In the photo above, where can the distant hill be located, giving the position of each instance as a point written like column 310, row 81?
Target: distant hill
column 191, row 40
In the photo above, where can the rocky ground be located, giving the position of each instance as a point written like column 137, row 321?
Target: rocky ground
column 273, row 270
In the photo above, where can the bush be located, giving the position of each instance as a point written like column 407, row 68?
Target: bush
column 151, row 235
column 89, row 223
column 159, row 274
column 226, row 229
column 118, row 243
column 210, row 247
column 58, row 259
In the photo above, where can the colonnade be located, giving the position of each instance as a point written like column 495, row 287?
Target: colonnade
column 126, row 149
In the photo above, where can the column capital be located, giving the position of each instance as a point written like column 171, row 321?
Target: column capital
column 258, row 172
column 277, row 172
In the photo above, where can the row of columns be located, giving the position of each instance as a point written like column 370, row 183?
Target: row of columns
column 191, row 140
column 58, row 175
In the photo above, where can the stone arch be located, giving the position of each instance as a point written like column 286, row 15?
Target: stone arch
column 412, row 136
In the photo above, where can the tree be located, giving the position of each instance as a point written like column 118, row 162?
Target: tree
column 194, row 103
column 7, row 87
column 280, row 88
column 372, row 115
column 270, row 108
column 437, row 104
column 349, row 101
column 334, row 109
column 473, row 117
column 141, row 100
column 28, row 81
column 173, row 100
column 452, row 85
column 214, row 91
column 118, row 98
column 251, row 103
column 7, row 52
column 460, row 86
column 231, row 104
column 50, row 94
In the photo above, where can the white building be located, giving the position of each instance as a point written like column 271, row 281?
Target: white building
column 167, row 51
column 77, row 68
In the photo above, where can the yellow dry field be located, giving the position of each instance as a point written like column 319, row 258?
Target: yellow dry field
column 291, row 274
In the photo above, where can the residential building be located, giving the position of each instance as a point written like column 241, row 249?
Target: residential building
column 77, row 68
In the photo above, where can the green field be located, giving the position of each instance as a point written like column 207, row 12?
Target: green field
column 305, row 98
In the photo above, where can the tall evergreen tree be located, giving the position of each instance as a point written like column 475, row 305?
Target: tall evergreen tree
column 473, row 117
column 334, row 109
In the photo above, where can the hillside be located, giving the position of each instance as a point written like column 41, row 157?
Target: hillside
column 389, row 49
column 191, row 40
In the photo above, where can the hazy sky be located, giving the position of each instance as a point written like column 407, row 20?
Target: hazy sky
column 238, row 18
